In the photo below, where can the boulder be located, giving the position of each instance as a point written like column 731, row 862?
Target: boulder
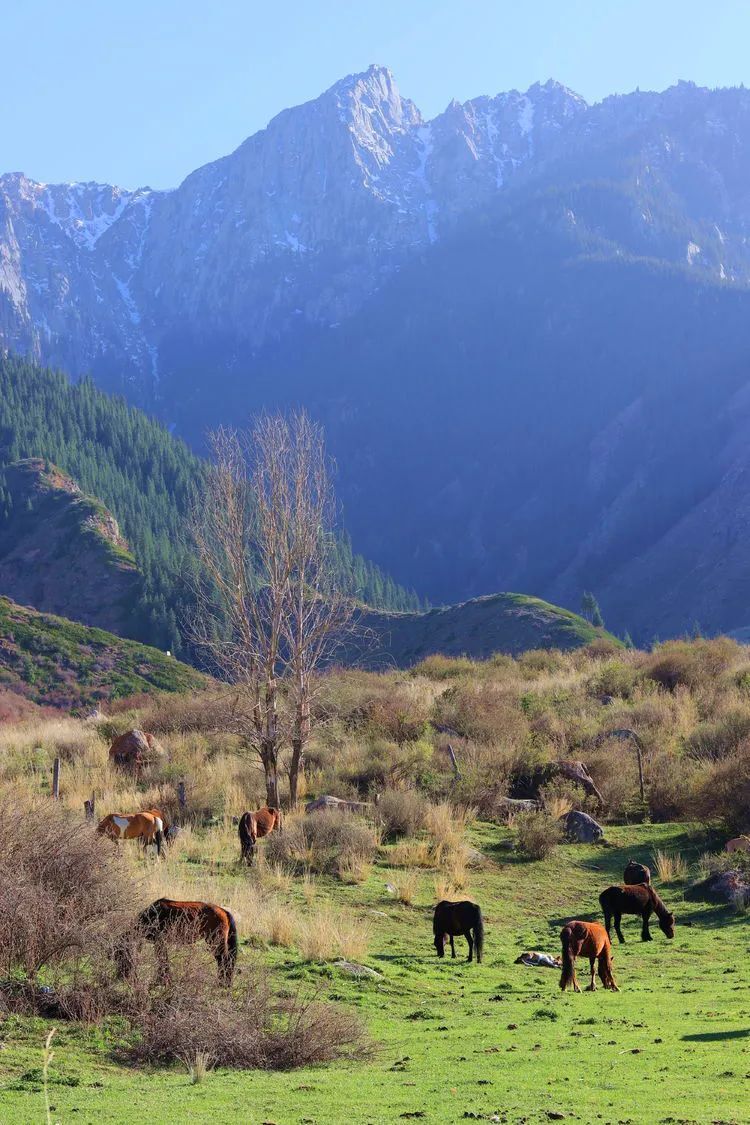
column 507, row 806
column 581, row 828
column 134, row 751
column 355, row 970
column 326, row 803
column 725, row 888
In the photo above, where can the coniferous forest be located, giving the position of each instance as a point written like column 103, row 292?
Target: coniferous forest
column 145, row 476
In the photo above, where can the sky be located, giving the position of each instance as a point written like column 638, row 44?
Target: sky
column 142, row 93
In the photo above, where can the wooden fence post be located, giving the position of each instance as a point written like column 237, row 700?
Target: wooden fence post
column 56, row 779
column 181, row 793
column 89, row 807
column 454, row 763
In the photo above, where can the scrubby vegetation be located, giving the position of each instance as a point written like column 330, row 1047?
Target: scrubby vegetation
column 338, row 888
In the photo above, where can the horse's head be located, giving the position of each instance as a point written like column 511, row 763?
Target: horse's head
column 440, row 944
column 666, row 923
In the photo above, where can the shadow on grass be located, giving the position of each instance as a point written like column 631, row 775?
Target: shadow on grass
column 716, row 1036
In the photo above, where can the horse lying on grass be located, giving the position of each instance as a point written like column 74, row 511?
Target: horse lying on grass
column 640, row 899
column 183, row 923
column 146, row 827
column 586, row 939
column 452, row 918
column 253, row 827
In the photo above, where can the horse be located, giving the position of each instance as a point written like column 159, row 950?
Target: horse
column 169, row 919
column 253, row 827
column 133, row 826
column 635, row 873
column 738, row 844
column 639, row 899
column 452, row 918
column 590, row 940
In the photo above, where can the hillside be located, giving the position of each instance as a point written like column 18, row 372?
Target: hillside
column 509, row 623
column 145, row 477
column 62, row 552
column 53, row 661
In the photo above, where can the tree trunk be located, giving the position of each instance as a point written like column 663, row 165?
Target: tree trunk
column 294, row 770
column 269, row 757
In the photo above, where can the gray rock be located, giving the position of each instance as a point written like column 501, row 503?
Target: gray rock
column 327, row 803
column 581, row 828
column 355, row 970
column 725, row 888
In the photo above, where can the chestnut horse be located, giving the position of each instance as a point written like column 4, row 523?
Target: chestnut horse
column 587, row 939
column 635, row 873
column 738, row 844
column 133, row 826
column 184, row 922
column 253, row 827
column 452, row 918
column 639, row 899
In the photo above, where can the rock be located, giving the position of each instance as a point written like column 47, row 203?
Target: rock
column 725, row 888
column 510, row 805
column 582, row 828
column 355, row 970
column 135, row 750
column 326, row 803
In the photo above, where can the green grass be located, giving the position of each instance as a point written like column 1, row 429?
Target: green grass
column 52, row 660
column 459, row 1041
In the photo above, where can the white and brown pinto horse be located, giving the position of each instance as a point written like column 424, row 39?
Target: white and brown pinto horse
column 253, row 827
column 146, row 827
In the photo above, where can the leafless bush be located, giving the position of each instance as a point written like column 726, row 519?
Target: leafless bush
column 537, row 834
column 722, row 792
column 712, row 741
column 246, row 1028
column 322, row 842
column 690, row 663
column 64, row 893
column 401, row 812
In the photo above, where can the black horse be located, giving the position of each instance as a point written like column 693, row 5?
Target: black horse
column 452, row 918
column 639, row 899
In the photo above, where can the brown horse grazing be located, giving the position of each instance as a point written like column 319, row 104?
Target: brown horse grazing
column 738, row 844
column 452, row 918
column 133, row 826
column 184, row 922
column 253, row 827
column 636, row 873
column 639, row 899
column 587, row 939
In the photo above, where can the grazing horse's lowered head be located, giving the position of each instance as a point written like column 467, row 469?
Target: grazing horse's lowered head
column 455, row 918
column 171, row 920
column 253, row 827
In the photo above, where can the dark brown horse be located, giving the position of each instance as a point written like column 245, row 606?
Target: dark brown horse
column 587, row 939
column 452, row 918
column 635, row 873
column 183, row 923
column 253, row 827
column 640, row 899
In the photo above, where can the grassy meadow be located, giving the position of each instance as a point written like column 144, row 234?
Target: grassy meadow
column 444, row 1040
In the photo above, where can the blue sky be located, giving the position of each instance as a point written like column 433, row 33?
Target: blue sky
column 146, row 91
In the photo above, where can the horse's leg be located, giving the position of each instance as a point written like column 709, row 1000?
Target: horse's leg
column 618, row 930
column 453, row 948
column 576, row 986
column 467, row 935
column 592, row 986
column 645, row 932
column 607, row 921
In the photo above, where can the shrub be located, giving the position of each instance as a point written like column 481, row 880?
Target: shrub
column 406, row 885
column 713, row 741
column 322, row 842
column 439, row 667
column 401, row 812
column 326, row 933
column 245, row 1028
column 64, row 892
column 722, row 791
column 614, row 678
column 669, row 866
column 400, row 716
column 537, row 834
column 690, row 663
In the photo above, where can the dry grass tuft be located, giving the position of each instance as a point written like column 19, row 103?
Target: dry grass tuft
column 669, row 866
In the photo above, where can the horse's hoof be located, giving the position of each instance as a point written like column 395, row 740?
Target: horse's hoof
column 591, row 988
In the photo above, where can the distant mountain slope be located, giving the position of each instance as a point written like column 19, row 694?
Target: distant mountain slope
column 145, row 477
column 510, row 623
column 57, row 662
column 62, row 552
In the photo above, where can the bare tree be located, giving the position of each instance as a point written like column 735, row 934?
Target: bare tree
column 273, row 608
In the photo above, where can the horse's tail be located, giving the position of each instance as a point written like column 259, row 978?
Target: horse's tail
column 229, row 960
column 568, row 958
column 479, row 933
column 247, row 835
